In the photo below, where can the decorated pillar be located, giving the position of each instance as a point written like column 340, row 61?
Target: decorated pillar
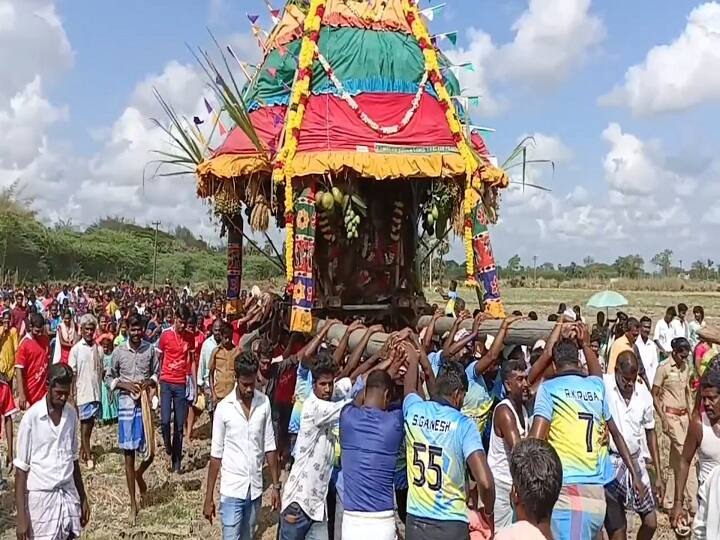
column 303, row 281
column 484, row 261
column 234, row 226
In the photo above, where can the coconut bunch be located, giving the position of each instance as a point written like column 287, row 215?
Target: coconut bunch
column 348, row 205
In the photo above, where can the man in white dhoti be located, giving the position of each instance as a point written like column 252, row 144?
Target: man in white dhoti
column 49, row 491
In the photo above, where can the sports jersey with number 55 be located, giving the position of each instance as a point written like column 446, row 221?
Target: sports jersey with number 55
column 438, row 440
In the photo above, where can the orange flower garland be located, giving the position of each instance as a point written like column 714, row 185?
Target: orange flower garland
column 419, row 31
column 282, row 168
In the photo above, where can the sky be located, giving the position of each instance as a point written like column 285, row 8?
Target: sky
column 622, row 96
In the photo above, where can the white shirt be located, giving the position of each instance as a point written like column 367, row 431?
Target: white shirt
column 86, row 361
column 241, row 444
column 649, row 356
column 679, row 328
column 664, row 335
column 46, row 451
column 632, row 419
column 314, row 453
column 208, row 347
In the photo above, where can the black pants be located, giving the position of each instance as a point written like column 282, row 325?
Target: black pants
column 434, row 529
column 401, row 500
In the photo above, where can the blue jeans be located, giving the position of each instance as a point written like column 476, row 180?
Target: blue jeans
column 239, row 517
column 297, row 525
column 173, row 401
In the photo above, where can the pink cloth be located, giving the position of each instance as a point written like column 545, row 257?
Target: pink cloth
column 522, row 530
column 478, row 529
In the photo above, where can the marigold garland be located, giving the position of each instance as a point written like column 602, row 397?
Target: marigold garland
column 282, row 168
column 289, row 231
column 432, row 67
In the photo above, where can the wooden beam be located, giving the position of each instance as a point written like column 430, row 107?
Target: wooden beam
column 520, row 333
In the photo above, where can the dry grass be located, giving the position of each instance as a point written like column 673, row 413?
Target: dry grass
column 173, row 508
column 545, row 301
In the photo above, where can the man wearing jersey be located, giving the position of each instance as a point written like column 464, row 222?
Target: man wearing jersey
column 572, row 413
column 478, row 400
column 441, row 443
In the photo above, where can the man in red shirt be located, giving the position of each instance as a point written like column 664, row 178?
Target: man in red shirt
column 18, row 315
column 177, row 384
column 32, row 362
column 7, row 410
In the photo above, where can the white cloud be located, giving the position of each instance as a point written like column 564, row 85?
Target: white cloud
column 33, row 50
column 637, row 168
column 678, row 75
column 32, row 42
column 551, row 38
column 548, row 147
column 23, row 125
column 475, row 83
column 712, row 215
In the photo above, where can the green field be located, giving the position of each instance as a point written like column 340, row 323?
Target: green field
column 546, row 301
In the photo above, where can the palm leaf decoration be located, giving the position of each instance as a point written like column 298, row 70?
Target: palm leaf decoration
column 518, row 158
column 188, row 147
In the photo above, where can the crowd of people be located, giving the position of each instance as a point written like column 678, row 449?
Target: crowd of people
column 359, row 431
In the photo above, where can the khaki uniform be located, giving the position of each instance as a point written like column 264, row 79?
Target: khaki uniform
column 224, row 375
column 676, row 403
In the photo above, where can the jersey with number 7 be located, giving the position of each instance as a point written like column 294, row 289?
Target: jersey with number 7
column 578, row 410
column 438, row 439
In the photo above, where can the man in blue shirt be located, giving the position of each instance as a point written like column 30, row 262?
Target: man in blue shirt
column 370, row 438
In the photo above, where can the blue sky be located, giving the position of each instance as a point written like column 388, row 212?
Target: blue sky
column 622, row 95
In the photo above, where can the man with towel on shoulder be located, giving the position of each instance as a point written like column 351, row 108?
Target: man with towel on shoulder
column 134, row 375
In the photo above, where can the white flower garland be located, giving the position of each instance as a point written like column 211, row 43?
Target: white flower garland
column 347, row 98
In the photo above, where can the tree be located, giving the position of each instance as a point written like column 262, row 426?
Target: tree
column 630, row 266
column 701, row 269
column 663, row 261
column 514, row 264
column 588, row 261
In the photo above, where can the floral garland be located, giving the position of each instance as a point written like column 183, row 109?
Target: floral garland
column 369, row 122
column 432, row 67
column 282, row 168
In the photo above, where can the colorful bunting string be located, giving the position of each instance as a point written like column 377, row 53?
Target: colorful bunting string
column 252, row 18
column 450, row 36
column 429, row 13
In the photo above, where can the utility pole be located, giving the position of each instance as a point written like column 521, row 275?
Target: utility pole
column 534, row 271
column 157, row 224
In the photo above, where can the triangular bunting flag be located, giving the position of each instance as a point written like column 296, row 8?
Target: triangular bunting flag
column 282, row 49
column 272, row 72
column 465, row 65
column 450, row 36
column 429, row 13
column 253, row 18
column 275, row 16
column 208, row 107
column 481, row 129
column 221, row 128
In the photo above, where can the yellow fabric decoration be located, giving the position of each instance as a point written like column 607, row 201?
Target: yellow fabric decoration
column 369, row 165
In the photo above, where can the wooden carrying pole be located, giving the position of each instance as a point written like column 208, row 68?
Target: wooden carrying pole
column 520, row 333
